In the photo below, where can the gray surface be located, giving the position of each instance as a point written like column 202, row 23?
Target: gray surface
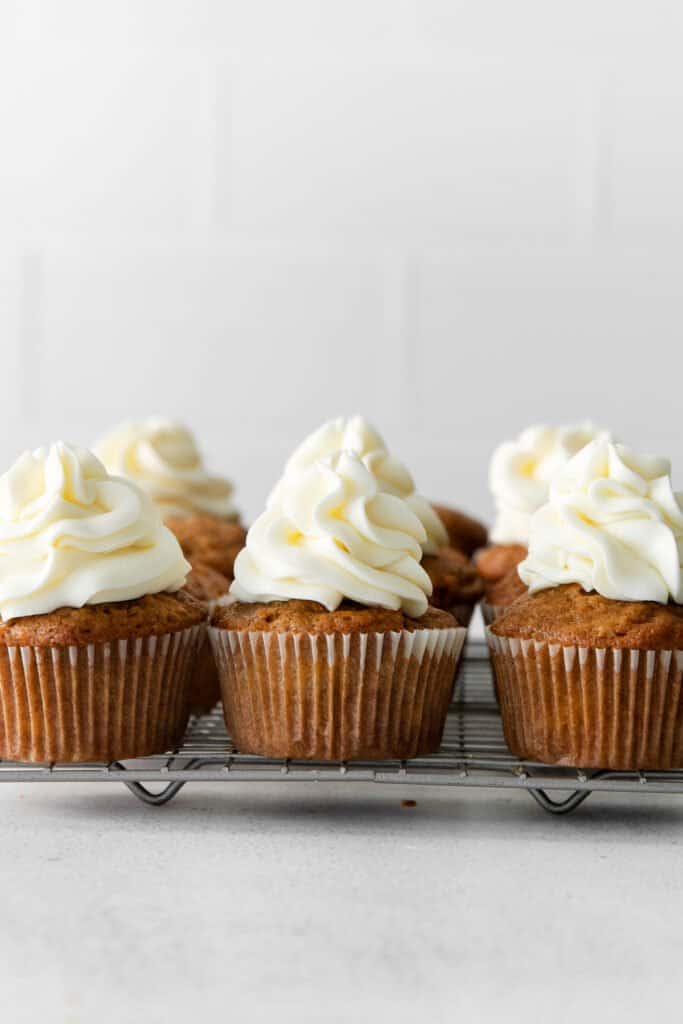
column 314, row 903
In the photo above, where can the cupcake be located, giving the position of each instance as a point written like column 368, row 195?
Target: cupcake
column 456, row 584
column 162, row 458
column 589, row 663
column 329, row 649
column 519, row 476
column 207, row 586
column 464, row 533
column 97, row 636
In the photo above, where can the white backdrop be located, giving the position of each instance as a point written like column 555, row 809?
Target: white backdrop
column 456, row 217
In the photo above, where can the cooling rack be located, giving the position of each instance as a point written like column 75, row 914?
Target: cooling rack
column 473, row 753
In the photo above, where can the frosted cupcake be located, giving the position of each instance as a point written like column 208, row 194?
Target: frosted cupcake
column 519, row 477
column 329, row 650
column 97, row 637
column 162, row 458
column 456, row 586
column 589, row 663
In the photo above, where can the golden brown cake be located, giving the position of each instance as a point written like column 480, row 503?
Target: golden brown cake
column 464, row 533
column 457, row 586
column 499, row 595
column 356, row 683
column 569, row 616
column 206, row 585
column 151, row 615
column 496, row 561
column 209, row 541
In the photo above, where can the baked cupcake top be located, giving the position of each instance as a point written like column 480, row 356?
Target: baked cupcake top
column 162, row 458
column 313, row 618
column 521, row 470
column 454, row 578
column 329, row 533
column 357, row 435
column 612, row 524
column 71, row 535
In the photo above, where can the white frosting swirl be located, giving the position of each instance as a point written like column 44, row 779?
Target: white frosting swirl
column 331, row 533
column 70, row 535
column 613, row 524
column 162, row 457
column 521, row 470
column 357, row 435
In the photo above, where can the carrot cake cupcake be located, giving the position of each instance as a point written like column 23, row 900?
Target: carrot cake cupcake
column 589, row 663
column 329, row 649
column 97, row 636
column 162, row 458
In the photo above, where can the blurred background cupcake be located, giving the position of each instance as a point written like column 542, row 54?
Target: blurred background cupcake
column 589, row 663
column 520, row 472
column 98, row 636
column 163, row 458
column 456, row 584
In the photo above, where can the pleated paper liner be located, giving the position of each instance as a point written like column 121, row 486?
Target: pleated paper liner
column 590, row 707
column 97, row 702
column 490, row 612
column 337, row 697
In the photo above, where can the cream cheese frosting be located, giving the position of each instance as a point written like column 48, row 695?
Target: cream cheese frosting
column 613, row 524
column 357, row 435
column 521, row 470
column 330, row 532
column 71, row 535
column 162, row 457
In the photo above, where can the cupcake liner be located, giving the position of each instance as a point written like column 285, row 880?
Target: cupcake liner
column 97, row 702
column 340, row 696
column 490, row 612
column 590, row 707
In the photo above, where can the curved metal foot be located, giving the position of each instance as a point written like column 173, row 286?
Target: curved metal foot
column 155, row 799
column 570, row 803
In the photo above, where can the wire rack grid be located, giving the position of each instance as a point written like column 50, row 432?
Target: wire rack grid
column 473, row 753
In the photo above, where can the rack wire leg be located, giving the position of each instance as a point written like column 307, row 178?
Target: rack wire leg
column 565, row 806
column 155, row 799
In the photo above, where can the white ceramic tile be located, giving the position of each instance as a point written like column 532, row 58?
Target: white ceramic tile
column 510, row 336
column 262, row 339
column 104, row 140
column 379, row 147
column 646, row 151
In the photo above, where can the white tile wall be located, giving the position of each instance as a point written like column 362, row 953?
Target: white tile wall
column 455, row 215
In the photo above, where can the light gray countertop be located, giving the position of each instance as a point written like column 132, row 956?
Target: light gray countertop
column 304, row 902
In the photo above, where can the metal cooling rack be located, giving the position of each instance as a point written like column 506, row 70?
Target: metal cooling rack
column 473, row 753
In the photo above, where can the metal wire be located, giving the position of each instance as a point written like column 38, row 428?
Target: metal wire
column 473, row 753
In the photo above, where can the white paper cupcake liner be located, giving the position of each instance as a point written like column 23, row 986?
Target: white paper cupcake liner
column 490, row 612
column 590, row 707
column 97, row 702
column 340, row 696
